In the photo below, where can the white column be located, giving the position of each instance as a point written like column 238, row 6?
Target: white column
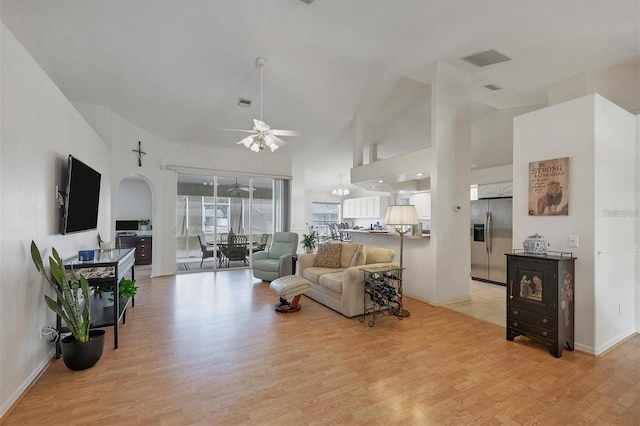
column 450, row 176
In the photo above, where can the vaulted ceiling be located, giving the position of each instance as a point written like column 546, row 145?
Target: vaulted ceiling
column 178, row 68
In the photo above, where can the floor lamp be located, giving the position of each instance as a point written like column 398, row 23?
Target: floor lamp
column 401, row 215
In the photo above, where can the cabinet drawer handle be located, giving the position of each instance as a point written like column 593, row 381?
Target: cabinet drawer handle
column 544, row 320
column 544, row 333
column 515, row 324
column 515, row 312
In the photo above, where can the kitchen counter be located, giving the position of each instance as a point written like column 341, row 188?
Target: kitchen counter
column 384, row 233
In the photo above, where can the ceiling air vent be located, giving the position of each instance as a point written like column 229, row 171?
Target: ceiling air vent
column 493, row 87
column 488, row 57
column 244, row 102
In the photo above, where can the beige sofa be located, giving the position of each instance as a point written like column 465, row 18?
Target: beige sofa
column 342, row 288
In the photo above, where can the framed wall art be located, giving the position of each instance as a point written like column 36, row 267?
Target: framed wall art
column 549, row 187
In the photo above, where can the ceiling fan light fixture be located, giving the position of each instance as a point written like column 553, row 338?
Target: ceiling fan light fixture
column 340, row 191
column 262, row 135
column 247, row 141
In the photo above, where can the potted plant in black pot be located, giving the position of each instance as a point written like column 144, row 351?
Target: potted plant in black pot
column 83, row 347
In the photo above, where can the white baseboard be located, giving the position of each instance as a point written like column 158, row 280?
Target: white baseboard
column 24, row 387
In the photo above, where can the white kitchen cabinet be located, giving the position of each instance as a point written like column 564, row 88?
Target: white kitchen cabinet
column 422, row 201
column 365, row 207
column 495, row 190
column 347, row 208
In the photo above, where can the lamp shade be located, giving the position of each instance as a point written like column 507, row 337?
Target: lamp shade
column 401, row 215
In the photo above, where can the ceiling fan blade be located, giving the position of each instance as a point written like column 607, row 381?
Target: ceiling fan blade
column 260, row 126
column 238, row 130
column 278, row 140
column 276, row 132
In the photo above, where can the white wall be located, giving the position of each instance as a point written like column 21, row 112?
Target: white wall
column 492, row 175
column 619, row 84
column 494, row 128
column 40, row 128
column 599, row 138
column 615, row 167
column 98, row 117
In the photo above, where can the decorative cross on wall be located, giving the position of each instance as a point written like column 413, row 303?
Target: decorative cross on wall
column 140, row 153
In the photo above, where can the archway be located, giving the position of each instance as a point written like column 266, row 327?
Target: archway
column 133, row 220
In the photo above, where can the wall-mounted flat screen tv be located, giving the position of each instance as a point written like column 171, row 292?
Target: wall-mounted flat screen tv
column 81, row 198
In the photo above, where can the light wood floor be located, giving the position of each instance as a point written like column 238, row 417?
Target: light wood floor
column 205, row 349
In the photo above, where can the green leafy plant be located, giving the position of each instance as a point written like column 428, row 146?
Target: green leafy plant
column 309, row 240
column 72, row 291
column 127, row 288
column 144, row 222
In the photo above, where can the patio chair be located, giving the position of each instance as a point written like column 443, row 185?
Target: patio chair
column 207, row 251
column 262, row 244
column 236, row 249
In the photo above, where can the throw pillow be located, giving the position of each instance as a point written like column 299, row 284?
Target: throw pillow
column 356, row 257
column 348, row 251
column 328, row 256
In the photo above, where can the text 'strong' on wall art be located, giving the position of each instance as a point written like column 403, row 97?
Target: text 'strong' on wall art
column 549, row 187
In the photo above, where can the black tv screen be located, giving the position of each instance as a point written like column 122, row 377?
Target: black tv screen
column 81, row 198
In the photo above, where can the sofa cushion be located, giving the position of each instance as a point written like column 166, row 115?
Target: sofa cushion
column 332, row 282
column 328, row 256
column 378, row 255
column 313, row 273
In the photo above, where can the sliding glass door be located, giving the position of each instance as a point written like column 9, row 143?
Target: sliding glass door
column 223, row 219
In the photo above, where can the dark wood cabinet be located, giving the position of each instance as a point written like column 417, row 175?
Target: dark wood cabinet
column 142, row 244
column 540, row 299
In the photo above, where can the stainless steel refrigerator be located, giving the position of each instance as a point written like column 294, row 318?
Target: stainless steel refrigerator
column 491, row 238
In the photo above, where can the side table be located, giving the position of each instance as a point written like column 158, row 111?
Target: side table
column 381, row 292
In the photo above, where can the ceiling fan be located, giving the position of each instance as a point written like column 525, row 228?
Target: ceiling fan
column 236, row 188
column 262, row 135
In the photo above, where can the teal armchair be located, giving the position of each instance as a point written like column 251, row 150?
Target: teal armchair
column 276, row 262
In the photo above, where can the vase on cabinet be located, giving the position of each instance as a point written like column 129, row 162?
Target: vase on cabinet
column 535, row 245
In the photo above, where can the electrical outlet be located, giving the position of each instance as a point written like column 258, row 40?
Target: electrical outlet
column 573, row 241
column 48, row 332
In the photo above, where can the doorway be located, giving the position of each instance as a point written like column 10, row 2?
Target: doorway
column 133, row 220
column 222, row 219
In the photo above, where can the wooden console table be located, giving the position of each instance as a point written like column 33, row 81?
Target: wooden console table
column 106, row 270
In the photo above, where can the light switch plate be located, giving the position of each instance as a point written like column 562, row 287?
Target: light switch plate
column 573, row 241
